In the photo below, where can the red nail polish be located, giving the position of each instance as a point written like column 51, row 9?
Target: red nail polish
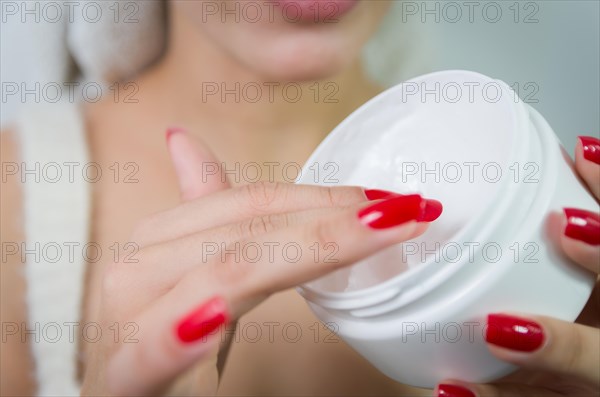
column 591, row 148
column 203, row 320
column 173, row 130
column 445, row 390
column 392, row 212
column 432, row 210
column 514, row 333
column 583, row 225
column 376, row 194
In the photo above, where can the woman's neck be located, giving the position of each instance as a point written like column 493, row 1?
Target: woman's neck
column 202, row 87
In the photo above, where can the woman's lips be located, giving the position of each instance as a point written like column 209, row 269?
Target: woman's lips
column 315, row 10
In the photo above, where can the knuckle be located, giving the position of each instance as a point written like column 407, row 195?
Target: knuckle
column 117, row 275
column 261, row 225
column 141, row 230
column 278, row 221
column 330, row 197
column 232, row 268
column 342, row 196
column 261, row 195
column 255, row 226
column 571, row 357
column 114, row 279
column 323, row 237
column 322, row 233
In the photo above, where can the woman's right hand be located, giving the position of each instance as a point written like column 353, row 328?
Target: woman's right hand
column 219, row 254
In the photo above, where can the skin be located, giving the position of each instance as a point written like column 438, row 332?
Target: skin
column 156, row 212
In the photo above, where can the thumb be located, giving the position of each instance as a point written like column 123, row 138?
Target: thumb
column 198, row 171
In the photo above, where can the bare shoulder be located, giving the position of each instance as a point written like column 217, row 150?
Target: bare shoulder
column 15, row 360
column 11, row 189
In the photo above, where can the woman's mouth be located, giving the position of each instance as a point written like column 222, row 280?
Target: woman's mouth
column 306, row 11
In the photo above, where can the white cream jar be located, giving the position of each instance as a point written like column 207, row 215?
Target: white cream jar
column 417, row 311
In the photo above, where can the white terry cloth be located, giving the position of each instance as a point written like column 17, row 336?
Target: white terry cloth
column 45, row 42
column 41, row 51
column 57, row 215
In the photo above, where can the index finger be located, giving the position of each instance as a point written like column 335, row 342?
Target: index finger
column 232, row 205
column 191, row 158
column 243, row 282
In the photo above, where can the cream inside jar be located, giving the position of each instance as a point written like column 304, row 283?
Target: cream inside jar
column 397, row 143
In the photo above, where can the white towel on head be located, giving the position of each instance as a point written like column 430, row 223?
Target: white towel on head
column 121, row 43
column 57, row 42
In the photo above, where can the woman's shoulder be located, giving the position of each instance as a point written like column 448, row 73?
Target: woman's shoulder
column 10, row 160
column 15, row 357
column 11, row 203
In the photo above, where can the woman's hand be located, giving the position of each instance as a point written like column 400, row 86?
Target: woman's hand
column 557, row 358
column 220, row 253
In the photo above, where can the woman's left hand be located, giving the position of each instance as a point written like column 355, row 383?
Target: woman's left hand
column 557, row 358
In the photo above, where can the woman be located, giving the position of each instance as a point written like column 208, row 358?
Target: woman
column 176, row 296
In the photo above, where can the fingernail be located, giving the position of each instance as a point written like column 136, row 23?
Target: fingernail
column 203, row 320
column 445, row 390
column 376, row 194
column 432, row 209
column 583, row 225
column 173, row 130
column 514, row 333
column 392, row 212
column 591, row 148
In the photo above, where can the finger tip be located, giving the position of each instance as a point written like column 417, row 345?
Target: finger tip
column 588, row 148
column 582, row 225
column 432, row 211
column 452, row 388
column 172, row 131
column 578, row 149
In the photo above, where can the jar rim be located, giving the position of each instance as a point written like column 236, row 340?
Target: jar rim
column 404, row 282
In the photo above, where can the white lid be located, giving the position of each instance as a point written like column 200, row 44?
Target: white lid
column 444, row 135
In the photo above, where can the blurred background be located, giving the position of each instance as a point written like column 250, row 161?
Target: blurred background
column 548, row 51
column 554, row 62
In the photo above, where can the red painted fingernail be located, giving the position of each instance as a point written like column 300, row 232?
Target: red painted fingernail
column 514, row 333
column 203, row 320
column 583, row 225
column 445, row 390
column 376, row 194
column 392, row 212
column 432, row 210
column 173, row 130
column 591, row 148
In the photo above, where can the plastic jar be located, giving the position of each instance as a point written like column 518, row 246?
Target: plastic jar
column 417, row 310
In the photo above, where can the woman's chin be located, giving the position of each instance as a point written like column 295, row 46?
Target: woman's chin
column 304, row 71
column 304, row 63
